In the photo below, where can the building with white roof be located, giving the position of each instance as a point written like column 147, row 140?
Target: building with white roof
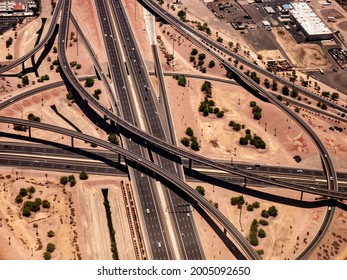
column 311, row 25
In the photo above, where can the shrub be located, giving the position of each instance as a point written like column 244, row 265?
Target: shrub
column 23, row 192
column 200, row 190
column 195, row 145
column 250, row 207
column 202, row 56
column 261, row 233
column 220, row 114
column 46, row 204
column 237, row 200
column 194, row 52
column 252, row 104
column 185, row 141
column 63, row 180
column 273, row 211
column 19, row 199
column 263, row 222
column 83, row 175
column 189, row 131
column 47, row 255
column 50, row 247
column 297, row 158
column 50, row 234
column 256, row 204
column 264, row 213
column 89, row 82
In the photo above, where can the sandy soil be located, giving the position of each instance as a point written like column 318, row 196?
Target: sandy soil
column 77, row 217
column 301, row 55
column 19, row 238
column 334, row 245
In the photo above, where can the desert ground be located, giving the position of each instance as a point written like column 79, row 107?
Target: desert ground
column 77, row 215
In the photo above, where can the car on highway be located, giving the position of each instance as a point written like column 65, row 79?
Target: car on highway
column 249, row 168
column 188, row 214
column 299, row 171
column 147, row 211
column 159, row 244
column 36, row 161
column 312, row 188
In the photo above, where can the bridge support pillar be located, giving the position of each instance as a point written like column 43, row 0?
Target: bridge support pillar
column 29, row 131
column 302, row 193
column 225, row 231
column 119, row 158
column 190, row 163
column 72, row 142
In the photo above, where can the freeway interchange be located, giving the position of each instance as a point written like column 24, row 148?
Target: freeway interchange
column 152, row 135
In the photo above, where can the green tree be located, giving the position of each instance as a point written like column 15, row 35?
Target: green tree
column 243, row 141
column 335, row 96
column 26, row 211
column 182, row 81
column 192, row 58
column 23, row 192
column 261, row 233
column 211, row 64
column 263, row 222
column 273, row 211
column 50, row 247
column 250, row 207
column 256, row 204
column 195, row 145
column 297, row 158
column 252, row 104
column 189, row 131
column 256, row 112
column 25, row 80
column 264, row 213
column 202, row 56
column 50, row 234
column 112, row 138
column 219, row 39
column 200, row 190
column 220, row 114
column 89, row 82
column 83, row 175
column 19, row 199
column 55, row 49
column 47, row 255
column 46, row 204
column 185, row 141
column 285, row 90
column 63, row 180
column 194, row 52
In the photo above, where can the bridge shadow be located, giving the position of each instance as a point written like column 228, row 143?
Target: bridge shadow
column 47, row 48
column 80, row 151
column 88, row 111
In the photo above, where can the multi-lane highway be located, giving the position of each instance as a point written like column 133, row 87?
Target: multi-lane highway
column 190, row 246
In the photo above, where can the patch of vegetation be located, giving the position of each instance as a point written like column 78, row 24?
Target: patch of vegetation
column 200, row 190
column 297, row 158
column 32, row 117
column 182, row 81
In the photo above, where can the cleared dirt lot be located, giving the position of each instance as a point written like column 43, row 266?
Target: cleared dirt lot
column 301, row 55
